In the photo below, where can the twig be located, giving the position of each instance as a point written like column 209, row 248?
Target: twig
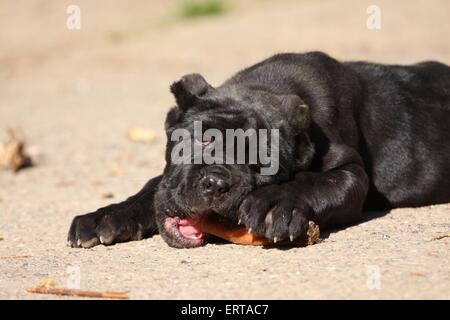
column 417, row 274
column 79, row 293
column 14, row 257
column 441, row 237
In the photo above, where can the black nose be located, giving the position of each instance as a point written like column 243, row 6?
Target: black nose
column 213, row 186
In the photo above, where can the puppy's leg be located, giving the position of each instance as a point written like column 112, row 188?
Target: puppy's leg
column 332, row 197
column 132, row 219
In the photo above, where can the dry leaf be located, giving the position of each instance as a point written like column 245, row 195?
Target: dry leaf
column 143, row 135
column 12, row 155
column 47, row 283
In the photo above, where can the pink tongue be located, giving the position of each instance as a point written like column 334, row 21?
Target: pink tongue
column 189, row 229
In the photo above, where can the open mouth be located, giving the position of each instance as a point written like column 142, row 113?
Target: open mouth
column 187, row 231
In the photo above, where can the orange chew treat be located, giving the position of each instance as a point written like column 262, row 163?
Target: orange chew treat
column 223, row 229
column 235, row 234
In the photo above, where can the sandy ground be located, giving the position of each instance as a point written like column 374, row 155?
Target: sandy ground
column 74, row 94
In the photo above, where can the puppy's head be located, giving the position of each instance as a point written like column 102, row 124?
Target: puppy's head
column 223, row 143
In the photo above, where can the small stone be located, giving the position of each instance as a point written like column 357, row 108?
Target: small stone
column 107, row 195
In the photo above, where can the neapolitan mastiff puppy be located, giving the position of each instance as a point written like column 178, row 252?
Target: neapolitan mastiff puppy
column 353, row 136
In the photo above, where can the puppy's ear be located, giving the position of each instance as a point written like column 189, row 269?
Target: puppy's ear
column 188, row 89
column 296, row 111
column 173, row 117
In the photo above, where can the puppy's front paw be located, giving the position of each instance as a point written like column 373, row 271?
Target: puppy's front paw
column 106, row 228
column 275, row 212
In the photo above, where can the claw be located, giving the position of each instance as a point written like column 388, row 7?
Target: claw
column 291, row 237
column 275, row 239
column 239, row 221
column 249, row 230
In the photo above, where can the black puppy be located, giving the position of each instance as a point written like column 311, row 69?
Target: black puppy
column 352, row 136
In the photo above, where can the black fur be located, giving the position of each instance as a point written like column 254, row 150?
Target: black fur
column 354, row 136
